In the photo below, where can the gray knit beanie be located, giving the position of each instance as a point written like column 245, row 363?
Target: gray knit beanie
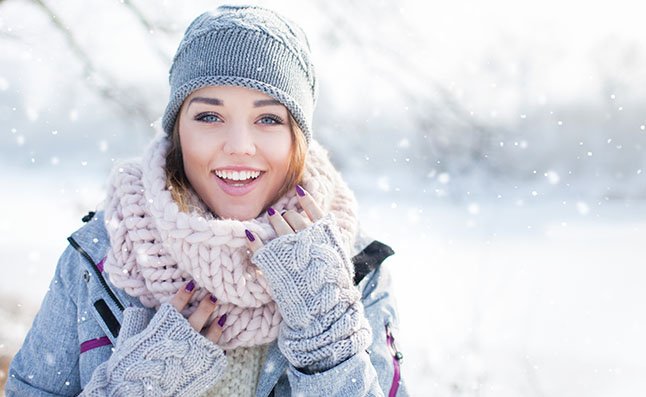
column 248, row 47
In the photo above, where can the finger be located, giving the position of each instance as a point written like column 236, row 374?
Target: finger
column 181, row 298
column 279, row 223
column 204, row 310
column 253, row 241
column 215, row 329
column 309, row 205
column 297, row 221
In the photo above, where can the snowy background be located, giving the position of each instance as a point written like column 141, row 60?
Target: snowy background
column 497, row 146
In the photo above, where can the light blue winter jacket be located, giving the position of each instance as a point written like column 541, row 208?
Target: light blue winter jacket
column 79, row 321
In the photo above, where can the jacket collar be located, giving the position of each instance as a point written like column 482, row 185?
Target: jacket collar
column 92, row 242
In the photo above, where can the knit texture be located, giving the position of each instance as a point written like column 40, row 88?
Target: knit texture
column 156, row 248
column 240, row 378
column 165, row 358
column 249, row 47
column 310, row 276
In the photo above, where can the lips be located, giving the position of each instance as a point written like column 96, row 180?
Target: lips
column 237, row 183
column 236, row 187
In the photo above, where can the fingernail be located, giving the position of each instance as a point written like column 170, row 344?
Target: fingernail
column 300, row 191
column 283, row 213
column 222, row 320
column 190, row 286
column 213, row 299
column 249, row 235
column 270, row 211
column 225, row 352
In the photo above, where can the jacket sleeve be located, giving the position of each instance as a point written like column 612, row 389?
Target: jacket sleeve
column 47, row 364
column 374, row 372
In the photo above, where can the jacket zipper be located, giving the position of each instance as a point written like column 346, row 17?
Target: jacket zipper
column 99, row 276
column 397, row 357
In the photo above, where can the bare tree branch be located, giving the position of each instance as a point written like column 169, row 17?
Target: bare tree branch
column 144, row 21
column 9, row 35
column 150, row 28
column 437, row 99
column 125, row 101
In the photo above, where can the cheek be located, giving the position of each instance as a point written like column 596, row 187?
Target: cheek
column 190, row 162
column 189, row 155
column 281, row 153
column 194, row 152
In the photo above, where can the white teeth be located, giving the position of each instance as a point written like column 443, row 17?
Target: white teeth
column 237, row 175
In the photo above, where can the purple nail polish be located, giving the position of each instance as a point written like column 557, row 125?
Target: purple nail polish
column 190, row 286
column 222, row 320
column 225, row 352
column 213, row 299
column 270, row 211
column 300, row 191
column 249, row 235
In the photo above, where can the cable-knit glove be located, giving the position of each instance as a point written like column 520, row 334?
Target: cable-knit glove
column 165, row 358
column 310, row 277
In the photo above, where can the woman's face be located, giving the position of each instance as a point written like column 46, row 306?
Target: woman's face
column 236, row 145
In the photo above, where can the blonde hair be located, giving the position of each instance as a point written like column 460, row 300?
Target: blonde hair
column 180, row 188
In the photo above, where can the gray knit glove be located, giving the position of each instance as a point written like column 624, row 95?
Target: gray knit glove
column 165, row 358
column 310, row 277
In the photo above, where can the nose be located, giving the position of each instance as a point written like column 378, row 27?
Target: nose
column 240, row 141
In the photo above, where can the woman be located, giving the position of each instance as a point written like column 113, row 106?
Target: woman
column 227, row 260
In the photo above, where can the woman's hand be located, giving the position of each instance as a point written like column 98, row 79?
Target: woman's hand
column 311, row 281
column 198, row 318
column 291, row 221
column 148, row 353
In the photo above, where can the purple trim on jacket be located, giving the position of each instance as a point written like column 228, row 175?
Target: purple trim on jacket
column 100, row 264
column 390, row 339
column 94, row 343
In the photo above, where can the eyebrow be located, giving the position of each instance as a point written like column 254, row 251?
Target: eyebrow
column 266, row 102
column 208, row 101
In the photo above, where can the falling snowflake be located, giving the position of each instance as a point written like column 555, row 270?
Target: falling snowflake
column 552, row 177
column 582, row 208
column 444, row 178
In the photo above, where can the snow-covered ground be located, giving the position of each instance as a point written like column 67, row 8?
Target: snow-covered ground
column 497, row 298
column 501, row 299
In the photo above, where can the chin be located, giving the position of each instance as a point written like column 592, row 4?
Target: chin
column 239, row 214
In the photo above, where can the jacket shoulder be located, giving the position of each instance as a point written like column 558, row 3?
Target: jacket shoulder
column 91, row 237
column 368, row 255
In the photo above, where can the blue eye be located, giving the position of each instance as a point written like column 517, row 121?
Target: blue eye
column 208, row 117
column 270, row 119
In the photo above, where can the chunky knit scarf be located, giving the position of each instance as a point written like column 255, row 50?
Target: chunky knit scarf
column 156, row 248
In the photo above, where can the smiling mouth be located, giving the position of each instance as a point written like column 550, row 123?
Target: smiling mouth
column 237, row 178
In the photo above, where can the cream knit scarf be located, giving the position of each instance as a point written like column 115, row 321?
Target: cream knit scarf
column 156, row 248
